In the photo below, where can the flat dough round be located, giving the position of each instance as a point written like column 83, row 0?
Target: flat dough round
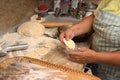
column 70, row 44
column 37, row 52
column 41, row 51
column 51, row 45
column 32, row 54
column 31, row 29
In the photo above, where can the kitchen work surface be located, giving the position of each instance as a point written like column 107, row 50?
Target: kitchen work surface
column 46, row 48
column 43, row 48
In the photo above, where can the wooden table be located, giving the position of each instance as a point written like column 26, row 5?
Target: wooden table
column 58, row 56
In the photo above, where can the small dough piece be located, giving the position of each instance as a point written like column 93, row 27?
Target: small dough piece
column 70, row 44
column 51, row 45
column 31, row 29
column 37, row 52
column 32, row 54
column 41, row 51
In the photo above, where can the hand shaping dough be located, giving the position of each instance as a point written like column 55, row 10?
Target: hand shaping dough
column 70, row 44
column 31, row 29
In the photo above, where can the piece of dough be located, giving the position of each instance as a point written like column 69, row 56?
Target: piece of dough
column 37, row 52
column 41, row 51
column 31, row 29
column 51, row 45
column 70, row 44
column 32, row 54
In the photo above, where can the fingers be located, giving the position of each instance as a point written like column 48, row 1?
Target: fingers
column 74, row 55
column 61, row 37
column 84, row 55
column 73, row 58
column 68, row 34
column 82, row 49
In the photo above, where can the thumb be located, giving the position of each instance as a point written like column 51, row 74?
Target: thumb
column 71, row 36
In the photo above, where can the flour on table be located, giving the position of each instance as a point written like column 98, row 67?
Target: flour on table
column 9, row 39
column 30, row 71
column 38, row 47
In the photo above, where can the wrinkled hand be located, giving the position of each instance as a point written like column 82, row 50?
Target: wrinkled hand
column 67, row 34
column 83, row 55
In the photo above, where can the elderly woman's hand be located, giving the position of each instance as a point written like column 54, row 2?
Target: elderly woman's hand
column 84, row 55
column 67, row 34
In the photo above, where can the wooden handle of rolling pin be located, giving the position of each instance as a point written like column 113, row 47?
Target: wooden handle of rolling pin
column 56, row 24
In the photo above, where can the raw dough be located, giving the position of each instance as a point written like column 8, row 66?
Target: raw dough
column 51, row 45
column 31, row 29
column 32, row 54
column 41, row 51
column 70, row 44
column 37, row 52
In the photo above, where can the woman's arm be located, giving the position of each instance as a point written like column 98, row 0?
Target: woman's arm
column 110, row 58
column 84, row 26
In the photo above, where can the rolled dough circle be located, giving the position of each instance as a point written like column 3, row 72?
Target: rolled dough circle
column 31, row 29
column 70, row 44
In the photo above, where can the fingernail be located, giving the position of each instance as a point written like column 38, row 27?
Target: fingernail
column 79, row 48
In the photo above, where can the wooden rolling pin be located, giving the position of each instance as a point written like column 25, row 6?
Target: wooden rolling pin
column 56, row 24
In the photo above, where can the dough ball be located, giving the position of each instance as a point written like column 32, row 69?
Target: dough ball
column 31, row 29
column 70, row 44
